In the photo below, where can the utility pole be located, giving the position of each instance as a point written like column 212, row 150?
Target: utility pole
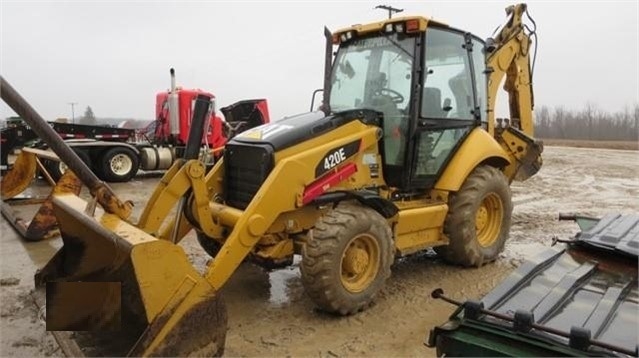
column 72, row 111
column 391, row 10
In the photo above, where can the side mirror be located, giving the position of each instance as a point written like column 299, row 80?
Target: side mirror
column 319, row 90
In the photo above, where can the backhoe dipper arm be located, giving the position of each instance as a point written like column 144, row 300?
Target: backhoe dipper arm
column 508, row 55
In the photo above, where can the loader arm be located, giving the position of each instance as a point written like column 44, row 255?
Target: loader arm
column 508, row 55
column 174, row 185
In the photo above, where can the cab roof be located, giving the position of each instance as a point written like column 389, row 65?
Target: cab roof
column 379, row 25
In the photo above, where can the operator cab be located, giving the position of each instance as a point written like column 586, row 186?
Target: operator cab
column 426, row 78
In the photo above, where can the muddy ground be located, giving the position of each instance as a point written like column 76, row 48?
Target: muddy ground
column 269, row 313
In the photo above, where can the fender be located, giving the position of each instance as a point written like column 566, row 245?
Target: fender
column 90, row 143
column 479, row 147
column 369, row 198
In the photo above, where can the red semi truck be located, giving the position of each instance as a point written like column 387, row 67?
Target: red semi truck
column 116, row 154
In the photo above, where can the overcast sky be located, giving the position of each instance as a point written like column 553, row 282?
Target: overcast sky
column 115, row 56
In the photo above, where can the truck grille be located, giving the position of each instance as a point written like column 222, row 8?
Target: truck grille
column 246, row 168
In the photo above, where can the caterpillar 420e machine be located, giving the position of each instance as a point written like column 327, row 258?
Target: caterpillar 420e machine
column 405, row 155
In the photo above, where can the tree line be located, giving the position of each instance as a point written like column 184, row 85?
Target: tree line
column 590, row 123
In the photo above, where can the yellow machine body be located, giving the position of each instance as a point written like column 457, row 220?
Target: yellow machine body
column 341, row 187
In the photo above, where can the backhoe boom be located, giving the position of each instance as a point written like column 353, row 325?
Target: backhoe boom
column 509, row 56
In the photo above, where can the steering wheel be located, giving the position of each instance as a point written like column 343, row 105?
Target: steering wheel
column 394, row 96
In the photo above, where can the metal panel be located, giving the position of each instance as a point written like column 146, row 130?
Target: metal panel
column 591, row 285
column 615, row 232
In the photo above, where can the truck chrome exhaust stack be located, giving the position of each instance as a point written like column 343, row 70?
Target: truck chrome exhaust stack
column 174, row 107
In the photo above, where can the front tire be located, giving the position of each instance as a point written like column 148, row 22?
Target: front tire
column 479, row 217
column 211, row 246
column 119, row 164
column 347, row 259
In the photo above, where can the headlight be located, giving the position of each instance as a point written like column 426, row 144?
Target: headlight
column 347, row 36
column 389, row 28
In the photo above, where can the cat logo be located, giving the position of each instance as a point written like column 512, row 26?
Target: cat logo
column 255, row 134
column 266, row 131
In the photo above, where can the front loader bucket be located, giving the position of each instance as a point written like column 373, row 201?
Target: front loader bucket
column 166, row 308
column 44, row 224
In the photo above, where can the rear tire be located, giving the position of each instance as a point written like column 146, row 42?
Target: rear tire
column 347, row 259
column 119, row 164
column 57, row 168
column 478, row 221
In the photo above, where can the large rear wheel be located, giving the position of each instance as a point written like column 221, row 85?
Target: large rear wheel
column 119, row 164
column 347, row 258
column 478, row 221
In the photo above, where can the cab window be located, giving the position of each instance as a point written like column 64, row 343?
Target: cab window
column 479, row 64
column 447, row 89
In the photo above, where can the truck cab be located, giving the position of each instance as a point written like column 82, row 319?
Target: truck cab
column 214, row 136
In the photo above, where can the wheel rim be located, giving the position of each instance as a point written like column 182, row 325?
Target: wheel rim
column 488, row 220
column 360, row 263
column 121, row 164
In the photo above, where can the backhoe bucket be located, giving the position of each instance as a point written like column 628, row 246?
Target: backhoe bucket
column 166, row 308
column 17, row 180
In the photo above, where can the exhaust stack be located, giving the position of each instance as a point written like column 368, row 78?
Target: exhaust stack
column 174, row 117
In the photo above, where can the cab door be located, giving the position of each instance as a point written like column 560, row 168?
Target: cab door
column 451, row 101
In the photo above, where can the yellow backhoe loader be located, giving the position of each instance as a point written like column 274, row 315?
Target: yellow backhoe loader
column 405, row 155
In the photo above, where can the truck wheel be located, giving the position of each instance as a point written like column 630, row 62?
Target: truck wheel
column 211, row 246
column 119, row 164
column 478, row 220
column 57, row 168
column 347, row 258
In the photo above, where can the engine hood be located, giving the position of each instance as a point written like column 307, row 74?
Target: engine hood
column 296, row 129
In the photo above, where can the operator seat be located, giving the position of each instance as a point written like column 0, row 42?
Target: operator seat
column 432, row 103
column 463, row 96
